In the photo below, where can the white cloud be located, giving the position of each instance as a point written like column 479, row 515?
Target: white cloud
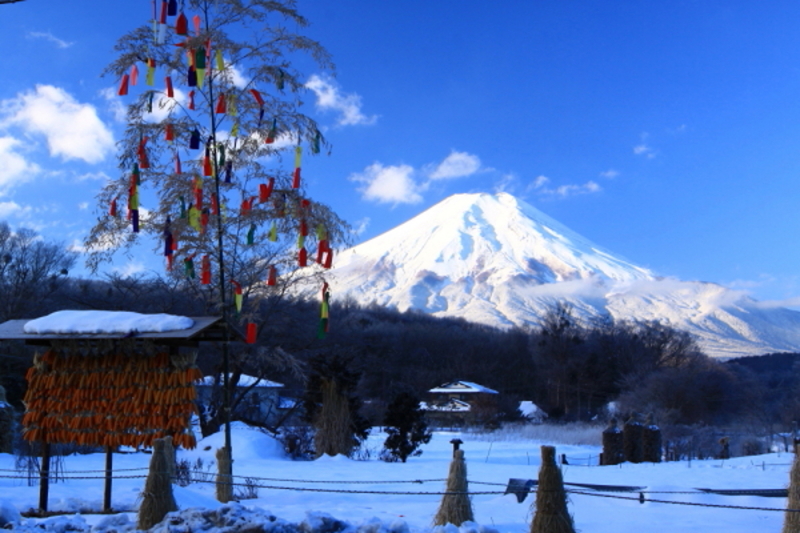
column 644, row 150
column 361, row 226
column 9, row 209
column 94, row 176
column 388, row 184
column 83, row 206
column 456, row 165
column 130, row 269
column 609, row 174
column 330, row 98
column 540, row 185
column 73, row 130
column 115, row 105
column 237, row 78
column 14, row 168
column 47, row 36
column 539, row 182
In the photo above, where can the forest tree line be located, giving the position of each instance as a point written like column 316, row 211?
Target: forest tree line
column 570, row 368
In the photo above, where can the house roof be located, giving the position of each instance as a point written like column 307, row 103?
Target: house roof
column 464, row 387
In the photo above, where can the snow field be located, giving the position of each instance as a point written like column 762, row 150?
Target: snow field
column 355, row 491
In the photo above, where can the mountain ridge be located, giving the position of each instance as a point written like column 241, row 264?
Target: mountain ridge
column 497, row 260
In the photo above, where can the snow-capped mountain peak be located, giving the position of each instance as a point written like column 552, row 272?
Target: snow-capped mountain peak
column 494, row 259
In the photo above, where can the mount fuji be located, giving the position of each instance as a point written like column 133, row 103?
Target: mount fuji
column 496, row 260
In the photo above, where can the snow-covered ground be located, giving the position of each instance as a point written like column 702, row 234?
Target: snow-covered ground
column 372, row 496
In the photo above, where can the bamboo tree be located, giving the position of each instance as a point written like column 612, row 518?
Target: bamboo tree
column 211, row 156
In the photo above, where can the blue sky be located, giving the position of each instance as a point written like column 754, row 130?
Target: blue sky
column 666, row 132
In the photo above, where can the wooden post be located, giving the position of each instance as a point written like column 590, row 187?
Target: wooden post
column 44, row 478
column 107, row 488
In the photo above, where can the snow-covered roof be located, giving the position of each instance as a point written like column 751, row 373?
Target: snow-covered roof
column 99, row 322
column 462, row 387
column 245, row 380
column 94, row 325
column 452, row 406
column 530, row 409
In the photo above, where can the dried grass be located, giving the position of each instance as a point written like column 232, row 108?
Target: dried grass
column 157, row 498
column 456, row 508
column 551, row 514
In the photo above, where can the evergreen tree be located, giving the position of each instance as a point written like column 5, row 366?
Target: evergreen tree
column 407, row 428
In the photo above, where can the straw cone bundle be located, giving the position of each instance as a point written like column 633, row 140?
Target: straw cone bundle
column 791, row 522
column 455, row 508
column 333, row 434
column 632, row 440
column 651, row 441
column 224, row 478
column 612, row 444
column 157, row 498
column 551, row 515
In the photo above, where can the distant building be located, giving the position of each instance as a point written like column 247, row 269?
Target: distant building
column 460, row 403
column 262, row 402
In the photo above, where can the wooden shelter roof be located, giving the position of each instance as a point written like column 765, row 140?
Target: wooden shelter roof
column 205, row 328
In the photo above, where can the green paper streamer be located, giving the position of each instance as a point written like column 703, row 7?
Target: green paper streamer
column 273, row 233
column 251, row 235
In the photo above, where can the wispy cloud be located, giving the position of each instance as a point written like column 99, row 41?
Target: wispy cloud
column 73, row 130
column 47, row 36
column 393, row 184
column 330, row 98
column 643, row 148
column 609, row 174
column 541, row 185
column 361, row 226
column 456, row 165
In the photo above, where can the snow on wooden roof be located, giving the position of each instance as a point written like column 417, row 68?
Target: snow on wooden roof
column 465, row 387
column 452, row 406
column 245, row 380
column 96, row 325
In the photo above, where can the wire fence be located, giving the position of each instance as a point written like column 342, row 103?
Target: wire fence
column 252, row 482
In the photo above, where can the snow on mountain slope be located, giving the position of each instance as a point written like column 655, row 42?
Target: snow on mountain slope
column 497, row 260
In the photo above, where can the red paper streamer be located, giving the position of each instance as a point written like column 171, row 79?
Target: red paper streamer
column 182, row 25
column 221, row 105
column 214, row 204
column 252, row 333
column 134, row 74
column 265, row 190
column 302, row 257
column 296, row 179
column 191, row 100
column 170, row 92
column 169, row 132
column 112, row 208
column 257, row 96
column 272, row 277
column 123, row 86
column 205, row 276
